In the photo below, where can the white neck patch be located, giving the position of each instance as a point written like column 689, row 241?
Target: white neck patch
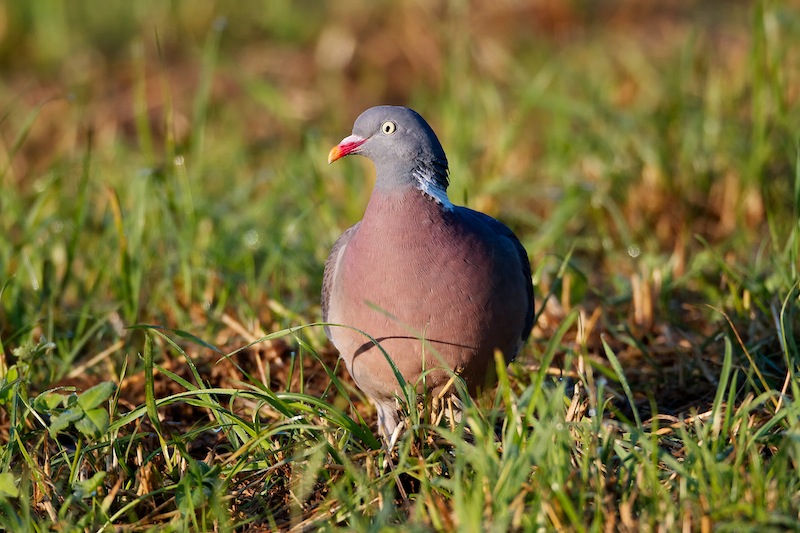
column 429, row 184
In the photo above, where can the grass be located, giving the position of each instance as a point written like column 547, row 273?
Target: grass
column 166, row 212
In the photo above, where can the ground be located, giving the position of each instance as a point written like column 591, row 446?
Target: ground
column 166, row 212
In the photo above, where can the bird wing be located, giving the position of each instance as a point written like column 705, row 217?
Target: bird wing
column 503, row 231
column 331, row 267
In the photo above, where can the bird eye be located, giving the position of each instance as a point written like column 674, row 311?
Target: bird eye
column 388, row 127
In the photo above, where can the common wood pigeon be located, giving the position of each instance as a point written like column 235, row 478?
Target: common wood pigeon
column 437, row 285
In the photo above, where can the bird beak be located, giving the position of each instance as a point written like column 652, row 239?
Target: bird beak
column 349, row 145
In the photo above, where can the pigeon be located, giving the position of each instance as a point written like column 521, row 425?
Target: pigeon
column 437, row 288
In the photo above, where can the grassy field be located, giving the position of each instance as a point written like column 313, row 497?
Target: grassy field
column 166, row 209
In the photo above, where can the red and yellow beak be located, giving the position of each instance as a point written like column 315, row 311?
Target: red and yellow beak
column 349, row 145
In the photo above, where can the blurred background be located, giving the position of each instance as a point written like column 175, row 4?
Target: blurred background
column 165, row 162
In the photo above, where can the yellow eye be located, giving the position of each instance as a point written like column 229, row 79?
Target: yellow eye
column 388, row 127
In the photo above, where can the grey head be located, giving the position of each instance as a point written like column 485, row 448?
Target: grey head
column 403, row 147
